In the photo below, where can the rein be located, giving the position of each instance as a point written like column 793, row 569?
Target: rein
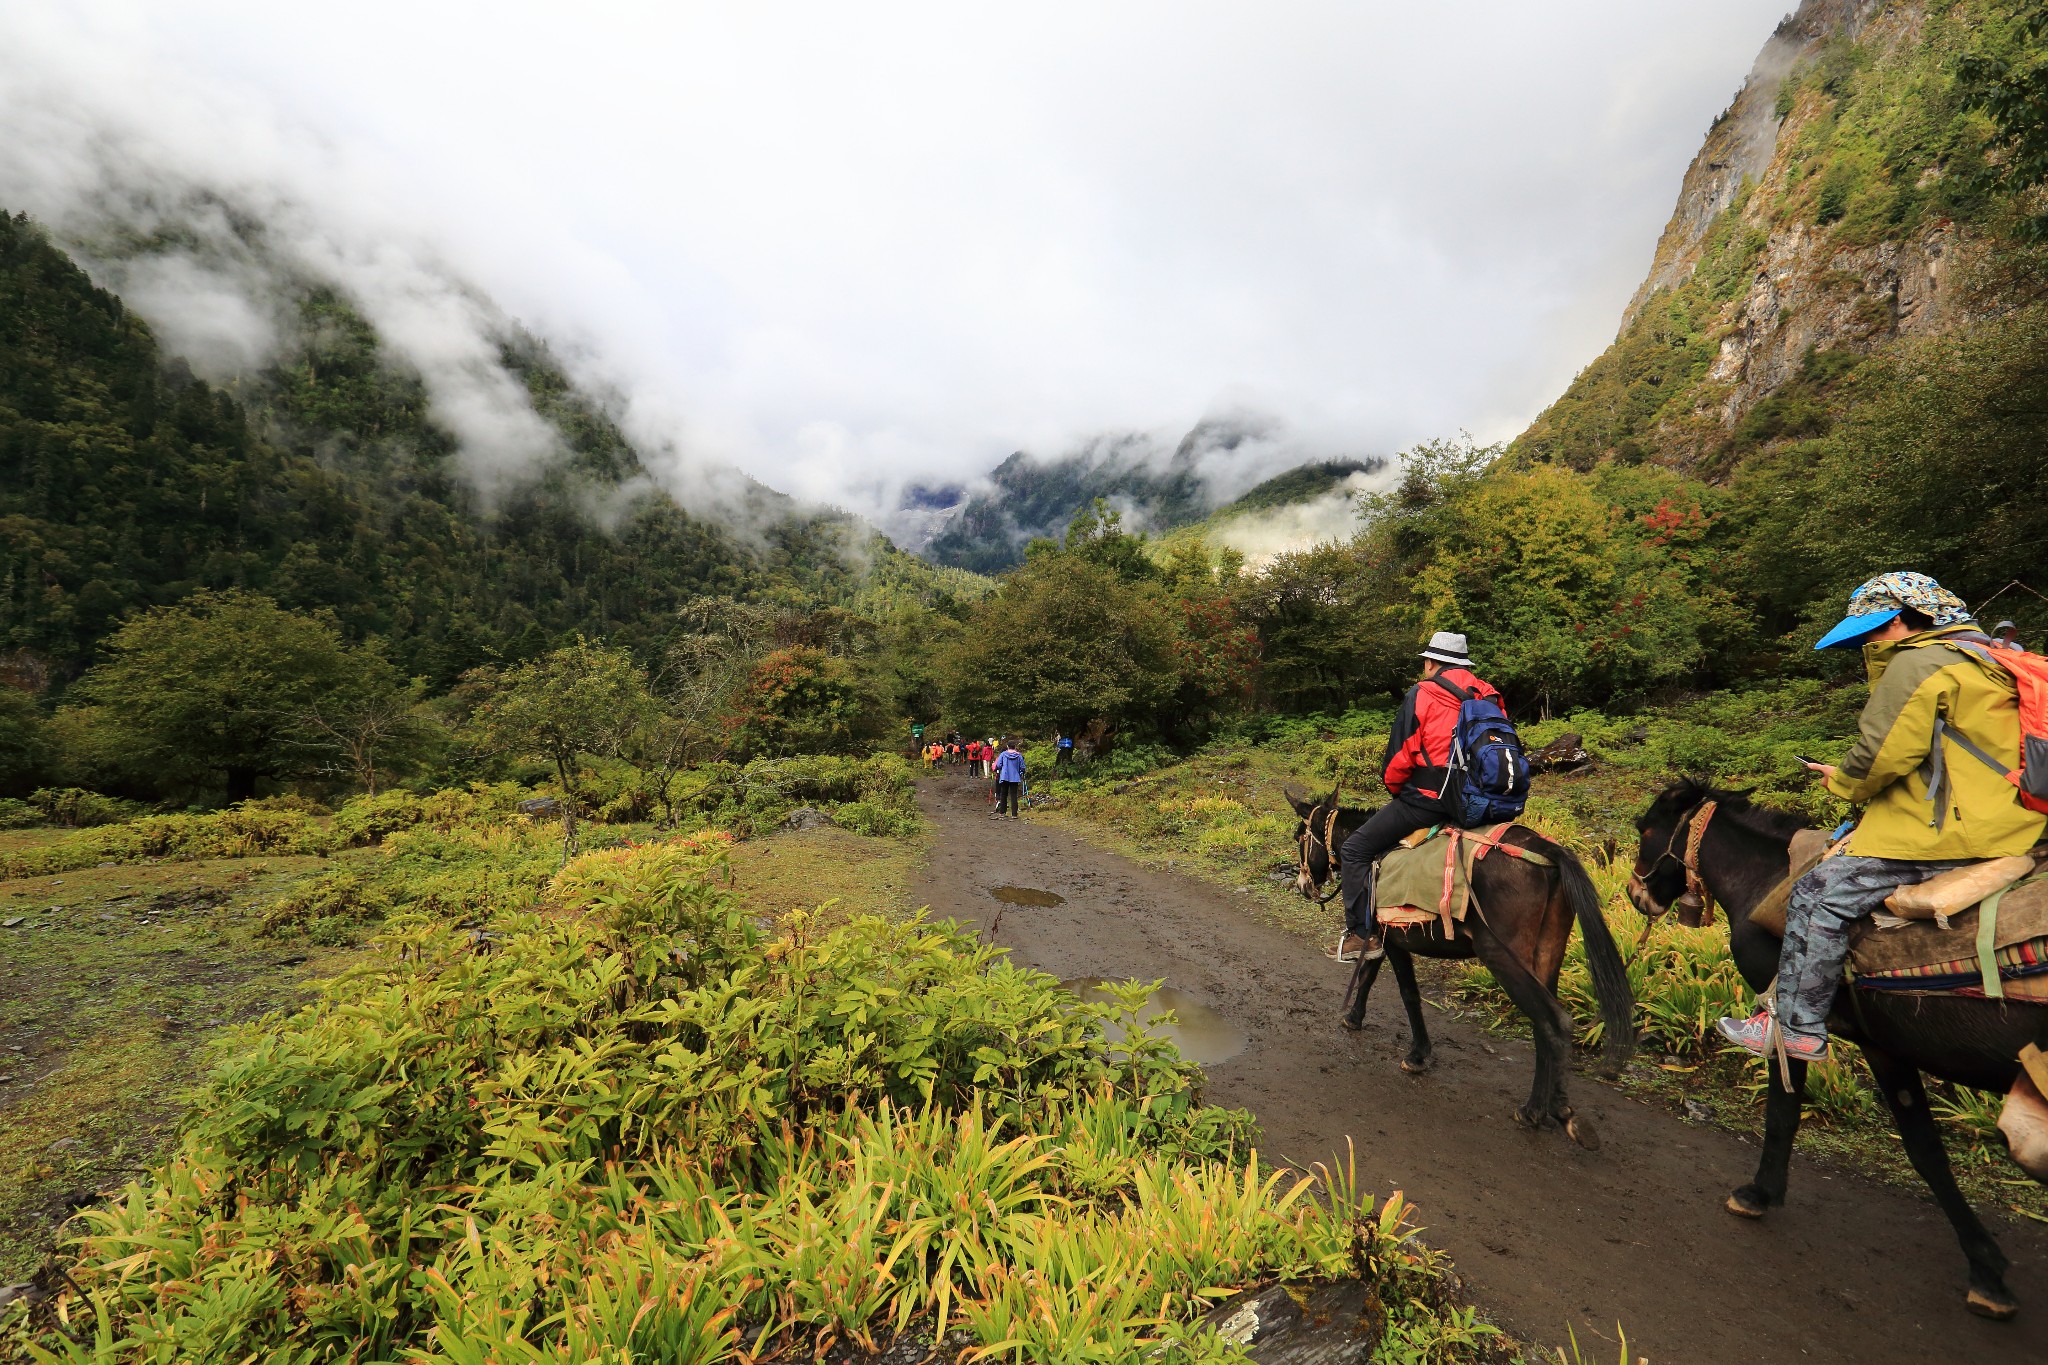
column 1329, row 834
column 1697, row 898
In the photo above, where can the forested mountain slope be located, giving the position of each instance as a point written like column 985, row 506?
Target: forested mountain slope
column 1031, row 497
column 324, row 483
column 1838, row 207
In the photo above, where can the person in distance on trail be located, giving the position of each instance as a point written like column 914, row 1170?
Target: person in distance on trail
column 1009, row 780
column 1063, row 749
column 1929, row 802
column 1418, row 751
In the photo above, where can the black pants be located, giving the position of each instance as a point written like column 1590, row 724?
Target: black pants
column 1389, row 825
column 1008, row 792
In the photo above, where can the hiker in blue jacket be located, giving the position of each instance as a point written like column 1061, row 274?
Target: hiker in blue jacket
column 1009, row 780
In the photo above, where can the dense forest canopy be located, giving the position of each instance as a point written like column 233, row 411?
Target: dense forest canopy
column 325, row 485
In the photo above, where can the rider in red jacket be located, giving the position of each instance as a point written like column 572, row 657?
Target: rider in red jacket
column 1418, row 750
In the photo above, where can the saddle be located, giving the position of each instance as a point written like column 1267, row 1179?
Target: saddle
column 1980, row 929
column 1428, row 879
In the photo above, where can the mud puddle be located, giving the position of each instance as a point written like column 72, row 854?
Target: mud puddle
column 1026, row 895
column 1201, row 1034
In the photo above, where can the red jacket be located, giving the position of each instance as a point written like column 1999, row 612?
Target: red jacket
column 1420, row 745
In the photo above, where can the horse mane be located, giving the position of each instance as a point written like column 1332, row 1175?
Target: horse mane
column 1766, row 822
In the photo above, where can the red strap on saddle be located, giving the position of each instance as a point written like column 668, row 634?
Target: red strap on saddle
column 1493, row 841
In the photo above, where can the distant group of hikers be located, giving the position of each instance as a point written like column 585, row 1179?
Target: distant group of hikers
column 999, row 762
column 1941, row 771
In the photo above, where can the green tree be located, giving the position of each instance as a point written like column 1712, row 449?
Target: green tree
column 802, row 699
column 1063, row 641
column 1333, row 627
column 1936, row 466
column 2011, row 85
column 216, row 687
column 1096, row 534
column 373, row 726
column 584, row 700
column 24, row 742
column 1566, row 592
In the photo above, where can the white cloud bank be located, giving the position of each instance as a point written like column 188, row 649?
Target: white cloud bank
column 849, row 247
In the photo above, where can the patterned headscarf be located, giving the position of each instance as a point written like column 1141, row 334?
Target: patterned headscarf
column 1893, row 592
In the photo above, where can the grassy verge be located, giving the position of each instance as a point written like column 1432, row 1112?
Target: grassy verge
column 634, row 1123
column 109, row 989
column 1221, row 815
column 136, row 948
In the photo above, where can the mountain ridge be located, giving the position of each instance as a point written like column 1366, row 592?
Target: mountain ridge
column 1836, row 208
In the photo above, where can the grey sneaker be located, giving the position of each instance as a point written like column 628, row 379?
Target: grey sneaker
column 1753, row 1035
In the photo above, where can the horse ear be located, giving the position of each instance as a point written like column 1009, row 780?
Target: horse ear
column 1332, row 802
column 1301, row 807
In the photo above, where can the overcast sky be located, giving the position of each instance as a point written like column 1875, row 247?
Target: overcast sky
column 846, row 246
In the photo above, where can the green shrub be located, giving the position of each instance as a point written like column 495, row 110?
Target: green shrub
column 343, row 897
column 76, row 808
column 638, row 1128
column 865, row 817
column 368, row 819
column 18, row 814
column 240, row 832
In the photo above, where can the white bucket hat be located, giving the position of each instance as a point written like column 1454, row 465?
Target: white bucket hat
column 1448, row 647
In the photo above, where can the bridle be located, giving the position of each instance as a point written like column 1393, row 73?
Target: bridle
column 1328, row 840
column 1696, row 906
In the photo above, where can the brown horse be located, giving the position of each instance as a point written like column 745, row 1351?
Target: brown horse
column 1518, row 927
column 1739, row 852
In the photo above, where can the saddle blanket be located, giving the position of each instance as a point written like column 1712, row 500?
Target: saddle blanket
column 2022, row 968
column 1431, row 880
column 1920, row 955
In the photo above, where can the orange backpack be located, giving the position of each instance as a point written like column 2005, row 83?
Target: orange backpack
column 2030, row 674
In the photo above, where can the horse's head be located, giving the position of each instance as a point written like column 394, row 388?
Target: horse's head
column 1315, row 861
column 1658, row 882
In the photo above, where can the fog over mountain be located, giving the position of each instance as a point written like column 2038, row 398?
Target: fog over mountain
column 851, row 250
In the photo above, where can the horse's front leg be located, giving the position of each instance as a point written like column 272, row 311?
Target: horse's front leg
column 1782, row 1109
column 1419, row 1050
column 1903, row 1091
column 1362, row 976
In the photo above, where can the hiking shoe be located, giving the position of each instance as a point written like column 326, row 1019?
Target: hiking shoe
column 1753, row 1035
column 1347, row 948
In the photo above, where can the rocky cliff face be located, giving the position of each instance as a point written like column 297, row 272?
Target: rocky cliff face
column 1829, row 210
column 1744, row 141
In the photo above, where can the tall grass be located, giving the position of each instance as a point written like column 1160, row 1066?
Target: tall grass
column 632, row 1125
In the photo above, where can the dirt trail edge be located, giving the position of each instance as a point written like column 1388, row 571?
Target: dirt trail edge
column 1546, row 1235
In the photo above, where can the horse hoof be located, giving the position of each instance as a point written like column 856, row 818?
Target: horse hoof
column 1526, row 1119
column 1582, row 1132
column 1743, row 1204
column 1997, row 1309
column 1415, row 1066
column 1350, row 1025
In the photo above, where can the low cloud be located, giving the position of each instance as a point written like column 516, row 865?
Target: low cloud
column 1263, row 536
column 848, row 250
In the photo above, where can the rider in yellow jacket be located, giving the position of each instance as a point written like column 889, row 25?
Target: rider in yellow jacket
column 1941, row 711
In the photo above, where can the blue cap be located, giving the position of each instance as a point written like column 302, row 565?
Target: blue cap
column 1851, row 629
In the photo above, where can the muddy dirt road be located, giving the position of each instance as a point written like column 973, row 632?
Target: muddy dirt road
column 1546, row 1235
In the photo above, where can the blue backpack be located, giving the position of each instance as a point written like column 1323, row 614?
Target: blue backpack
column 1487, row 776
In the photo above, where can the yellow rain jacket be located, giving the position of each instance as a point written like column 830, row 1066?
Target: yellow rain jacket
column 1913, row 682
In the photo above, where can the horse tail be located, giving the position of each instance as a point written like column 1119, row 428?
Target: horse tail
column 1603, row 960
